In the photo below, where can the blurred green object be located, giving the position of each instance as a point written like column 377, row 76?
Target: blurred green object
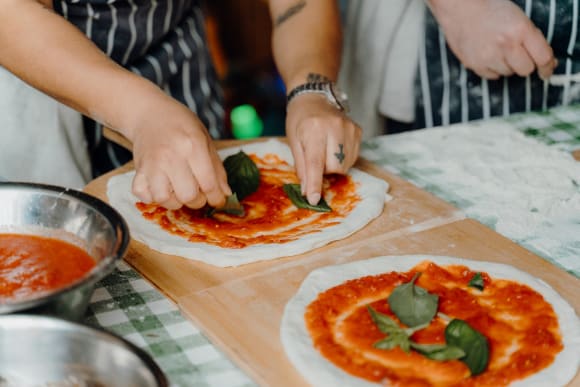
column 245, row 122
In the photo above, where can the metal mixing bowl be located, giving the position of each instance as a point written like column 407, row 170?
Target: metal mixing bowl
column 72, row 216
column 47, row 351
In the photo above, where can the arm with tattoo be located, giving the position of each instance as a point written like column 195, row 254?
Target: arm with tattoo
column 306, row 39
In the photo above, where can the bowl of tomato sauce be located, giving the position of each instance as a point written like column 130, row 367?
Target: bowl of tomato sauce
column 55, row 245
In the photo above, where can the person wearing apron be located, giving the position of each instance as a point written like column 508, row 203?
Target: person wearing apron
column 161, row 92
column 163, row 41
column 449, row 92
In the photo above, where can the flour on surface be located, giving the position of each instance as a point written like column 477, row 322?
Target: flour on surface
column 525, row 190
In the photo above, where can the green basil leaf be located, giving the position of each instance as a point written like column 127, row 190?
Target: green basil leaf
column 439, row 352
column 476, row 281
column 412, row 304
column 243, row 174
column 393, row 340
column 397, row 337
column 232, row 207
column 295, row 195
column 460, row 334
column 383, row 322
column 411, row 331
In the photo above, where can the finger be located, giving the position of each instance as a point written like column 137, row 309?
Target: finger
column 184, row 183
column 315, row 158
column 299, row 163
column 336, row 157
column 540, row 52
column 221, row 174
column 487, row 73
column 162, row 191
column 502, row 68
column 206, row 173
column 198, row 202
column 355, row 151
column 354, row 147
column 172, row 203
column 140, row 187
column 520, row 61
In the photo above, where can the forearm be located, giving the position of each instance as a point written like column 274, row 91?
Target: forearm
column 445, row 10
column 53, row 56
column 306, row 39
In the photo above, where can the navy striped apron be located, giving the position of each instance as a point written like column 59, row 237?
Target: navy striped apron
column 161, row 40
column 449, row 93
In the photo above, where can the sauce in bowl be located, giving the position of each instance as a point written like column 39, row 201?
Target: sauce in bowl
column 32, row 266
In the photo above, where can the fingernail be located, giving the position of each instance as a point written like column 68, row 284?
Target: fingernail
column 314, row 198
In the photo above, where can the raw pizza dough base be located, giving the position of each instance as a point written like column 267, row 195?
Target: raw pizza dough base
column 373, row 193
column 318, row 371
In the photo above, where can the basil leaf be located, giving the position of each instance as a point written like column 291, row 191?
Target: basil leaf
column 460, row 334
column 383, row 322
column 393, row 340
column 232, row 207
column 412, row 304
column 295, row 195
column 440, row 352
column 476, row 281
column 397, row 337
column 243, row 174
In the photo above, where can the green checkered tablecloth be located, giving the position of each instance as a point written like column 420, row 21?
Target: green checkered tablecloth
column 516, row 175
column 126, row 304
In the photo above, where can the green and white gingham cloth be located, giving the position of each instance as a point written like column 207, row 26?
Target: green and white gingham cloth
column 516, row 175
column 126, row 304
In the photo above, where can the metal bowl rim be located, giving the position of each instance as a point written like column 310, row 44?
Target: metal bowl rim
column 103, row 267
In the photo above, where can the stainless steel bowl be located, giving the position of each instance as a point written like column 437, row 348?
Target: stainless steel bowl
column 72, row 216
column 47, row 351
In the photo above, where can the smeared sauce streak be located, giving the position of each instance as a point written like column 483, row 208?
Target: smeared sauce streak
column 31, row 266
column 270, row 215
column 521, row 327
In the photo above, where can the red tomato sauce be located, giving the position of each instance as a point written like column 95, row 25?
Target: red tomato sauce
column 32, row 265
column 506, row 312
column 270, row 215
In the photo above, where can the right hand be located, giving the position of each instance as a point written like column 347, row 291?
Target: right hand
column 494, row 38
column 175, row 160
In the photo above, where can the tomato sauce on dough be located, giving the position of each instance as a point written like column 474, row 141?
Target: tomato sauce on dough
column 521, row 327
column 270, row 215
column 32, row 265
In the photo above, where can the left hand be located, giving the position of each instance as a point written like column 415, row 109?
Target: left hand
column 323, row 140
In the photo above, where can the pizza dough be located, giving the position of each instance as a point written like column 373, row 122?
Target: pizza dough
column 371, row 190
column 318, row 371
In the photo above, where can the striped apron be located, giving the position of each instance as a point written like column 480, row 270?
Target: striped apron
column 161, row 40
column 449, row 93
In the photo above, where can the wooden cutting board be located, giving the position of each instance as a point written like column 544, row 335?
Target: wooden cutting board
column 414, row 222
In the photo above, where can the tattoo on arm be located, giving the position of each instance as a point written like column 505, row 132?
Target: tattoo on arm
column 313, row 77
column 293, row 10
column 340, row 154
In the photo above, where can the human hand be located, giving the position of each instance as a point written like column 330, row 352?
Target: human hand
column 323, row 140
column 175, row 160
column 494, row 38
